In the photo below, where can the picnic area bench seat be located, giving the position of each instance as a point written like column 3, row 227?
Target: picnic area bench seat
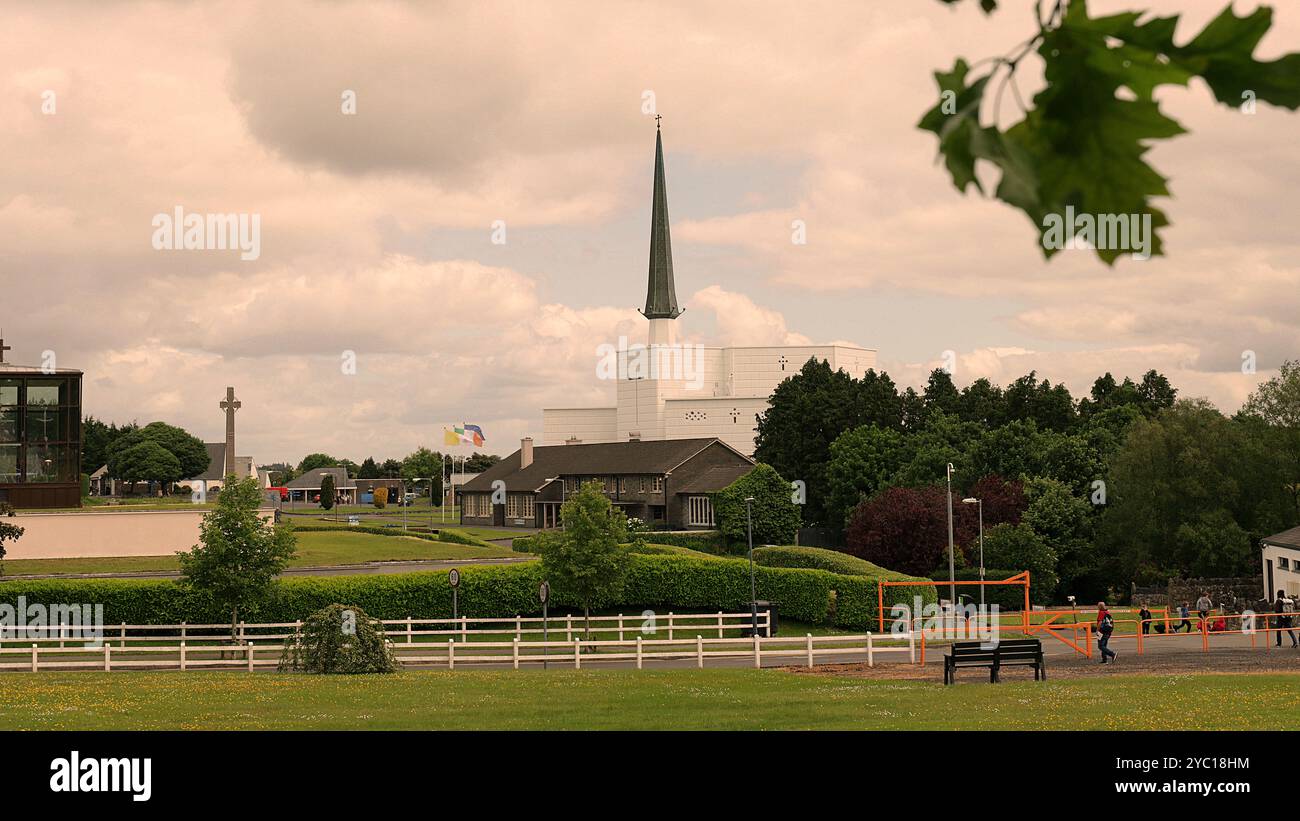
column 1005, row 653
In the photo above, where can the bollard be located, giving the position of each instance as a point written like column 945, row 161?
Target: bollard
column 516, row 652
column 638, row 652
column 808, row 636
column 577, row 654
column 758, row 656
column 699, row 652
column 250, row 656
column 182, row 656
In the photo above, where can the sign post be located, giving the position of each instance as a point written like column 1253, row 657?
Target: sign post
column 454, row 578
column 544, row 593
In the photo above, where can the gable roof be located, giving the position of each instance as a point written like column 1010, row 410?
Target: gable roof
column 311, row 480
column 1287, row 538
column 596, row 459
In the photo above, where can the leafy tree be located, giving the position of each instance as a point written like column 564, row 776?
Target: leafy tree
column 940, row 393
column 1180, row 467
column 1050, row 406
column 146, row 462
column 240, row 553
column 906, row 529
column 328, row 492
column 1276, row 403
column 189, row 451
column 585, row 561
column 806, row 413
column 391, row 469
column 982, row 402
column 312, row 461
column 943, row 439
column 96, row 438
column 863, row 462
column 479, row 462
column 1065, row 521
column 368, row 469
column 1213, row 544
column 339, row 639
column 1082, row 143
column 8, row 532
column 424, row 464
column 1019, row 547
column 775, row 514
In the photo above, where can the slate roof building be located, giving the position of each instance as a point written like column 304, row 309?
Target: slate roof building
column 665, row 483
column 307, row 486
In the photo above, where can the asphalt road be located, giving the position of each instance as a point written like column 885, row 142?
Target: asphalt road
column 367, row 568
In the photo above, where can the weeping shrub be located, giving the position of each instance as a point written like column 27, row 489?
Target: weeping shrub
column 339, row 639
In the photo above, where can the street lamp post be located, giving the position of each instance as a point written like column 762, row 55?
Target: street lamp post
column 753, row 587
column 980, row 502
column 952, row 564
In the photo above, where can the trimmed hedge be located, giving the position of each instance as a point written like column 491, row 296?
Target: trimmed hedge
column 653, row 549
column 500, row 591
column 705, row 541
column 820, row 558
column 445, row 536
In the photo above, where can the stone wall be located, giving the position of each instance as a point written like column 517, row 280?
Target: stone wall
column 1232, row 594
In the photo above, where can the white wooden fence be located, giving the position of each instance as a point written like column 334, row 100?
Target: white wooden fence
column 251, row 656
column 449, row 643
column 408, row 630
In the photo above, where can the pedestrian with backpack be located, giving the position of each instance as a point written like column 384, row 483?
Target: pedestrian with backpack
column 1105, row 626
column 1285, row 606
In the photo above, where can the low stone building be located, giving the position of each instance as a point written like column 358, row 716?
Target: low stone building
column 666, row 483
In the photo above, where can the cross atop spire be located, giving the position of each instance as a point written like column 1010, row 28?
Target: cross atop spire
column 3, row 348
column 661, row 293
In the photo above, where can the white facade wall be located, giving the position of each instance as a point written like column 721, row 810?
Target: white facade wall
column 1284, row 578
column 586, row 424
column 693, row 392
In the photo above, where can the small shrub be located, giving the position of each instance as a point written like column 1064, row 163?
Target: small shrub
column 339, row 639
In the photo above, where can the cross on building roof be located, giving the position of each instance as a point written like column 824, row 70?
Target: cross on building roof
column 3, row 348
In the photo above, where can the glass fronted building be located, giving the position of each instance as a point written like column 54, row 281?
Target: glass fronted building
column 40, row 437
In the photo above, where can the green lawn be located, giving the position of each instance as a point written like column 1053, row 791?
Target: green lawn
column 315, row 549
column 627, row 699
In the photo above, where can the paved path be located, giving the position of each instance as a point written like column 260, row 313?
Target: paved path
column 367, row 568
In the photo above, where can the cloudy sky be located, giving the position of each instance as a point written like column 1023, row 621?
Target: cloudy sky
column 377, row 227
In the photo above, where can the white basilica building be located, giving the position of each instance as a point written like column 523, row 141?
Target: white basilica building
column 695, row 391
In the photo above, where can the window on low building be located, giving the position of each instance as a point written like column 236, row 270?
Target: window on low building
column 699, row 511
column 1282, row 563
column 657, row 485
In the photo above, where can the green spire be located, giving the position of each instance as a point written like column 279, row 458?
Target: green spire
column 661, row 295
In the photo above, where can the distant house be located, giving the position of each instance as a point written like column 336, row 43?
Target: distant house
column 306, row 488
column 666, row 483
column 1281, row 563
column 212, row 479
column 366, row 490
column 453, row 487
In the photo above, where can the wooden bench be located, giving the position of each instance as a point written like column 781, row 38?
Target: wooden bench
column 1006, row 653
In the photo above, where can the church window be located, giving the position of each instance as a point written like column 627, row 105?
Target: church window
column 699, row 511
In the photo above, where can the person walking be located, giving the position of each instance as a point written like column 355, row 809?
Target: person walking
column 1184, row 616
column 1284, row 605
column 1144, row 617
column 1204, row 606
column 1105, row 626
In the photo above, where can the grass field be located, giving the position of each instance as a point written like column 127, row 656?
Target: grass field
column 624, row 699
column 318, row 549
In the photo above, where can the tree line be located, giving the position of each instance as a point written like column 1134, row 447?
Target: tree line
column 1129, row 484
